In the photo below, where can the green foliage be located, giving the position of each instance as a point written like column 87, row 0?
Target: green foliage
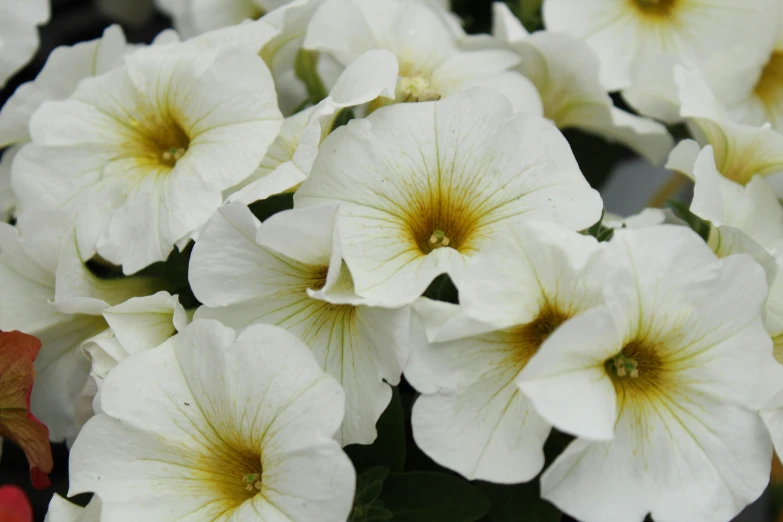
column 518, row 503
column 306, row 70
column 367, row 507
column 443, row 289
column 599, row 230
column 267, row 208
column 174, row 271
column 342, row 118
column 426, row 496
column 389, row 448
column 699, row 225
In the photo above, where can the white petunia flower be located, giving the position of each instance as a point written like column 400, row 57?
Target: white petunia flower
column 141, row 154
column 195, row 17
column 424, row 186
column 58, row 79
column 472, row 417
column 566, row 73
column 138, row 324
column 740, row 151
column 217, row 427
column 7, row 198
column 662, row 384
column 431, row 66
column 60, row 510
column 290, row 158
column 288, row 272
column 745, row 219
column 19, row 21
column 49, row 293
column 646, row 218
column 626, row 34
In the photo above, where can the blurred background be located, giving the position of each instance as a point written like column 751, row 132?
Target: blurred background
column 627, row 183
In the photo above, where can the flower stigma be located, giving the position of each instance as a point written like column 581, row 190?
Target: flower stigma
column 252, row 482
column 438, row 239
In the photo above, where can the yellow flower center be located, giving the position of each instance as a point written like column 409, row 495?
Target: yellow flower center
column 640, row 375
column 770, row 85
column 528, row 338
column 656, row 9
column 157, row 140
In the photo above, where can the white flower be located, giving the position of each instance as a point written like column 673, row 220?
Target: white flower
column 646, row 218
column 626, row 34
column 141, row 154
column 7, row 198
column 194, row 17
column 217, row 427
column 662, row 384
column 63, row 71
column 745, row 219
column 423, row 186
column 566, row 73
column 431, row 66
column 138, row 324
column 19, row 23
column 290, row 158
column 740, row 151
column 49, row 293
column 472, row 417
column 60, row 510
column 246, row 272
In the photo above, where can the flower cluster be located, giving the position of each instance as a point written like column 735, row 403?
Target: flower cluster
column 238, row 243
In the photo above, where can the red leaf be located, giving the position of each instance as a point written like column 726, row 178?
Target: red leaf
column 17, row 373
column 14, row 505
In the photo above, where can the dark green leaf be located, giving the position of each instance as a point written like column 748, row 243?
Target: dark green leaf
column 342, row 118
column 518, row 503
column 443, row 289
column 379, row 513
column 306, row 70
column 267, row 208
column 699, row 225
column 389, row 448
column 369, row 484
column 423, row 496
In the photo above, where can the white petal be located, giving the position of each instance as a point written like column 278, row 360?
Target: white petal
column 61, row 510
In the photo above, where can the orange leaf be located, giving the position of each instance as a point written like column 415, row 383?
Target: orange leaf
column 17, row 373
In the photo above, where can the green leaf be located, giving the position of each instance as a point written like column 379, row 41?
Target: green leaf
column 599, row 230
column 389, row 448
column 443, row 289
column 267, row 208
column 369, row 484
column 306, row 69
column 342, row 118
column 423, row 496
column 518, row 503
column 699, row 225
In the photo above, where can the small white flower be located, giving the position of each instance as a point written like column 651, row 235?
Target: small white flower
column 431, row 66
column 626, row 34
column 740, row 151
column 424, row 186
column 566, row 73
column 138, row 324
column 288, row 272
column 195, row 17
column 662, row 384
column 63, row 71
column 19, row 23
column 290, row 158
column 60, row 510
column 141, row 154
column 472, row 417
column 217, row 427
column 52, row 295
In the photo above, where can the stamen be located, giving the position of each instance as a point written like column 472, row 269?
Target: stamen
column 624, row 366
column 439, row 239
column 252, row 482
